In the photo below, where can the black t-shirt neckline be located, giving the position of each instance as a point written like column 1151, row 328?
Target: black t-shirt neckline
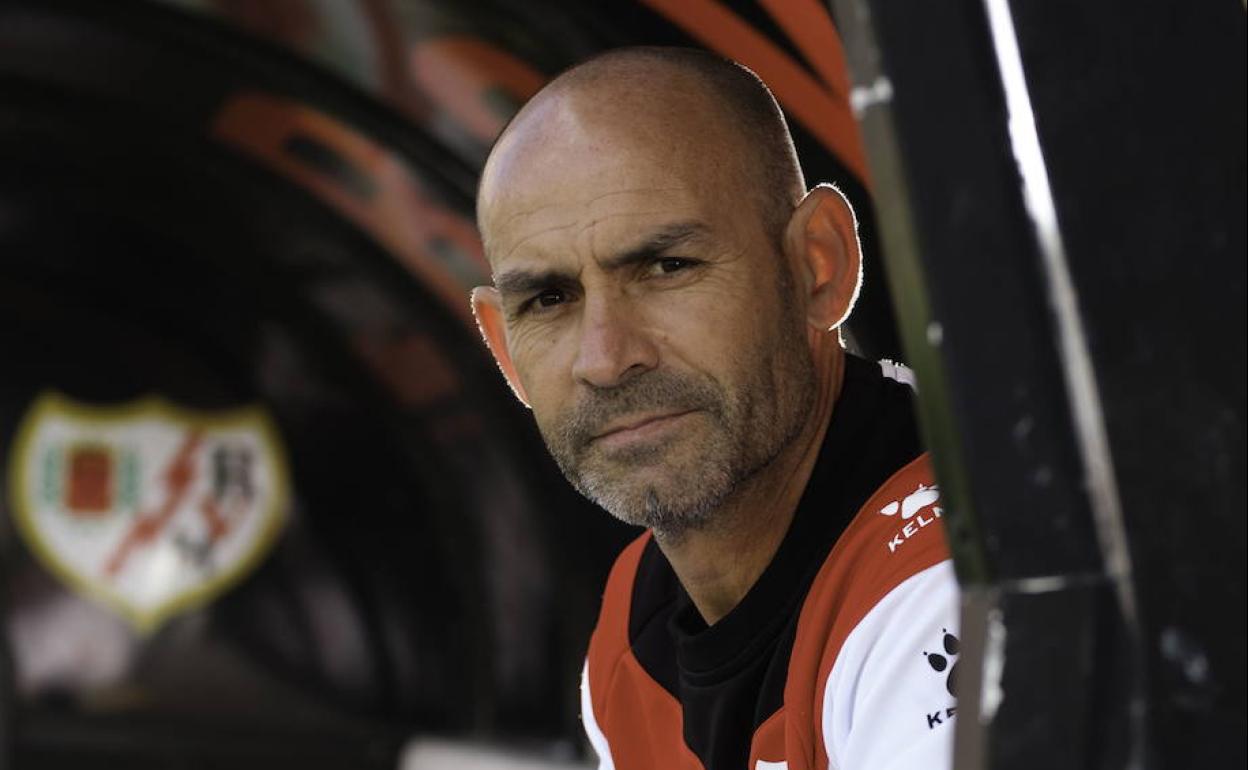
column 710, row 653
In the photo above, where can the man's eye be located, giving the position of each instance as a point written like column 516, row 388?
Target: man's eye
column 668, row 265
column 543, row 300
column 549, row 298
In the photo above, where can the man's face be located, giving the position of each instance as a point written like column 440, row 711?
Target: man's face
column 650, row 318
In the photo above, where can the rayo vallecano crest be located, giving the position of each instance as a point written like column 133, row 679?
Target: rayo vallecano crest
column 147, row 507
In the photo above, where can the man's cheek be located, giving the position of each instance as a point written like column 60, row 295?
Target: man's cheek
column 545, row 399
column 530, row 344
column 711, row 305
column 708, row 339
column 688, row 328
column 539, row 360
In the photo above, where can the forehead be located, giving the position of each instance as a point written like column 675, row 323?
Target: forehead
column 585, row 173
column 595, row 224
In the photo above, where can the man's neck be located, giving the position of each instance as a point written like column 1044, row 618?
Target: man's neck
column 718, row 566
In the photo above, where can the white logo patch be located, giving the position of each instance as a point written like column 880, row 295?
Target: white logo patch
column 915, row 501
column 149, row 508
column 909, row 507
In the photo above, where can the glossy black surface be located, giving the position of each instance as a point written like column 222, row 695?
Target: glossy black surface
column 1140, row 115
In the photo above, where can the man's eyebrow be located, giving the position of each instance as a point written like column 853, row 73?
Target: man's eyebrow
column 520, row 282
column 516, row 282
column 655, row 244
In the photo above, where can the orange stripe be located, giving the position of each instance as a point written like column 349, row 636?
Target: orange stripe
column 398, row 214
column 458, row 72
column 178, row 475
column 829, row 119
column 768, row 743
column 611, row 634
column 643, row 723
column 809, row 26
column 645, row 726
column 859, row 572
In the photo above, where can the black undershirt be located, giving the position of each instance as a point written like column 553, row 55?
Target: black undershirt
column 729, row 678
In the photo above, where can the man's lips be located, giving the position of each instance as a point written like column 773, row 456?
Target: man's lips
column 637, row 427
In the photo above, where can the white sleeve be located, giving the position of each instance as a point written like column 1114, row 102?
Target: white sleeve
column 887, row 704
column 596, row 738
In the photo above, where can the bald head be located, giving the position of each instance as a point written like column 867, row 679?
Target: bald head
column 705, row 119
column 663, row 287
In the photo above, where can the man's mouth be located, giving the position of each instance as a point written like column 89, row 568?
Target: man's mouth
column 635, row 428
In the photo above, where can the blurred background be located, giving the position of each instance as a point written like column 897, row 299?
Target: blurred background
column 268, row 503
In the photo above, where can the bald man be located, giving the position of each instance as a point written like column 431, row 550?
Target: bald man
column 666, row 301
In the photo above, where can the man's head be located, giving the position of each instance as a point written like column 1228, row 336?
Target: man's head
column 663, row 292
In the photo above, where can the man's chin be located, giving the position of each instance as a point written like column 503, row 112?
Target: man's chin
column 635, row 484
column 643, row 509
column 649, row 496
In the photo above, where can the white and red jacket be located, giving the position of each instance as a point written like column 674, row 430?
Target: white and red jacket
column 844, row 653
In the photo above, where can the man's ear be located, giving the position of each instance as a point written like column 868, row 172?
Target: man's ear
column 487, row 306
column 821, row 242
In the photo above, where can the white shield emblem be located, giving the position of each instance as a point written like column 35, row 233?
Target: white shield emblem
column 147, row 507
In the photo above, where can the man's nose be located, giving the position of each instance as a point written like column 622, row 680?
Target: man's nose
column 614, row 345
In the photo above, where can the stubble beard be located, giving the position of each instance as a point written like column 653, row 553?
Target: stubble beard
column 676, row 486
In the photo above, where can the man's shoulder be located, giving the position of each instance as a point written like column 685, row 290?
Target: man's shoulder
column 897, row 533
column 627, row 699
column 611, row 635
column 887, row 579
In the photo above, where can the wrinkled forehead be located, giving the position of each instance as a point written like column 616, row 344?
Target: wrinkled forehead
column 569, row 163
